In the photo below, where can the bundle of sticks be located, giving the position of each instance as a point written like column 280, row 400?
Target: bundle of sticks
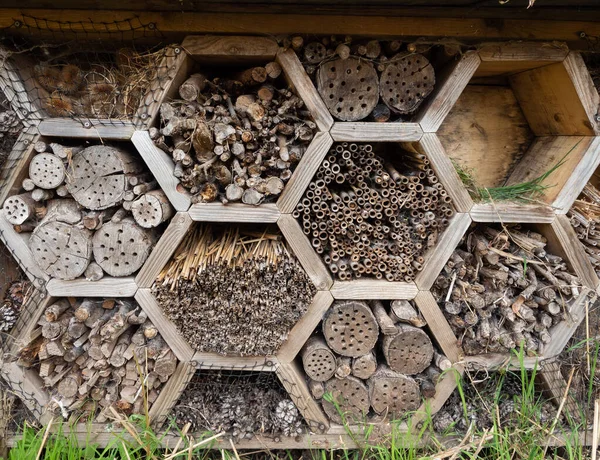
column 585, row 216
column 96, row 354
column 373, row 356
column 67, row 193
column 236, row 138
column 369, row 79
column 86, row 86
column 502, row 289
column 231, row 290
column 368, row 218
column 242, row 404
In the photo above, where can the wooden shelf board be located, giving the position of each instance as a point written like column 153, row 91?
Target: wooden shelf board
column 376, row 132
column 244, row 363
column 511, row 213
column 234, row 212
column 98, row 129
column 106, row 287
column 366, row 289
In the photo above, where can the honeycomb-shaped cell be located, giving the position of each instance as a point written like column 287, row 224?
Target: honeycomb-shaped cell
column 87, row 359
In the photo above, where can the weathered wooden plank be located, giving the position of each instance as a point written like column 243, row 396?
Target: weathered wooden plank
column 551, row 98
column 546, row 152
column 23, row 331
column 27, row 385
column 450, row 84
column 573, row 249
column 88, row 129
column 234, row 212
column 436, row 321
column 17, row 244
column 376, row 132
column 365, row 289
column 304, row 252
column 580, row 175
column 304, row 172
column 15, row 169
column 167, row 329
column 545, row 53
column 304, row 327
column 436, row 257
column 164, row 249
column 299, row 80
column 170, row 393
column 555, row 386
column 292, row 378
column 218, row 48
column 511, row 212
column 446, row 172
column 248, row 363
column 495, row 361
column 114, row 287
column 162, row 167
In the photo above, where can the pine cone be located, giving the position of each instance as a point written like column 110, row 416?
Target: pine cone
column 8, row 316
column 9, row 122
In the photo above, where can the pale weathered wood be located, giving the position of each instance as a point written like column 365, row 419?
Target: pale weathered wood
column 161, row 166
column 93, row 129
column 14, row 169
column 164, row 249
column 373, row 289
column 436, row 257
column 574, row 251
column 234, row 212
column 219, row 49
column 304, row 252
column 292, row 378
column 579, row 177
column 299, row 80
column 584, row 87
column 167, row 329
column 305, row 171
column 170, row 393
column 152, row 209
column 547, row 152
column 450, row 84
column 24, row 329
column 204, row 360
column 486, row 133
column 115, row 287
column 27, row 385
column 446, row 173
column 495, row 361
column 376, row 132
column 554, row 386
column 550, row 97
column 173, row 69
column 304, row 327
column 511, row 212
column 436, row 321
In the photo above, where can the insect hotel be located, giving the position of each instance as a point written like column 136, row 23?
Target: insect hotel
column 286, row 236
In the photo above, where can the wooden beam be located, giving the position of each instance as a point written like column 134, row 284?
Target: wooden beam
column 114, row 287
column 365, row 289
column 234, row 212
column 89, row 129
column 376, row 132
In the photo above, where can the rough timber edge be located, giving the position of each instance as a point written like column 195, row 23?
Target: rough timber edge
column 92, row 128
column 20, row 155
column 234, row 213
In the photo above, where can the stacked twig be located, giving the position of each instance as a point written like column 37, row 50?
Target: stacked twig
column 96, row 354
column 585, row 216
column 368, row 79
column 368, row 218
column 371, row 357
column 236, row 138
column 242, row 404
column 233, row 291
column 85, row 209
column 502, row 289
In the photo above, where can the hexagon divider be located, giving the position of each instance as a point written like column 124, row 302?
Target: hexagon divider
column 305, row 171
column 170, row 393
column 81, row 287
column 208, row 360
column 164, row 249
column 302, row 330
column 88, row 129
column 512, row 213
column 165, row 326
column 440, row 102
column 373, row 289
column 161, row 166
column 304, row 252
column 25, row 330
column 376, row 132
column 13, row 173
column 292, row 379
column 234, row 212
column 437, row 256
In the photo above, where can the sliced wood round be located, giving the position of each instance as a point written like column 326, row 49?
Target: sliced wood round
column 19, row 208
column 98, row 177
column 47, row 171
column 404, row 84
column 349, row 88
column 314, row 52
column 121, row 248
column 409, row 352
column 60, row 249
column 392, row 392
column 318, row 360
column 352, row 398
column 152, row 209
column 350, row 328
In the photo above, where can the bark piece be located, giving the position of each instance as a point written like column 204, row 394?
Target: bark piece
column 386, row 324
column 403, row 311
